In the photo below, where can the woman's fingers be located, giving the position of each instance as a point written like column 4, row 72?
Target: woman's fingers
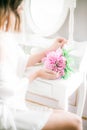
column 62, row 40
column 51, row 74
column 50, row 71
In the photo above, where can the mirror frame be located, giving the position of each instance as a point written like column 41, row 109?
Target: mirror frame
column 38, row 31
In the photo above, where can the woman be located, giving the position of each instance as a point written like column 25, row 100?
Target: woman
column 13, row 86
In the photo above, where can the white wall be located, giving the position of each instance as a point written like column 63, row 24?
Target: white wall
column 80, row 28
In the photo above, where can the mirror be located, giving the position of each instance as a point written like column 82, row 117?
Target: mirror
column 45, row 17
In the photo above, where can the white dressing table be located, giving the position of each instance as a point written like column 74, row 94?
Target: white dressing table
column 55, row 93
column 52, row 93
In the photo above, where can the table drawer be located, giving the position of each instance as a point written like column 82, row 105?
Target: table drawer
column 41, row 88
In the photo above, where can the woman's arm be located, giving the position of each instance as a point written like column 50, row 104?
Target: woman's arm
column 44, row 74
column 38, row 57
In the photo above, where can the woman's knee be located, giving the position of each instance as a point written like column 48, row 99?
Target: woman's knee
column 70, row 122
column 77, row 123
column 74, row 123
column 61, row 120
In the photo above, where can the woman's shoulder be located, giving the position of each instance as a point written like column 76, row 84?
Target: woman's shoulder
column 2, row 39
column 6, row 37
column 5, row 34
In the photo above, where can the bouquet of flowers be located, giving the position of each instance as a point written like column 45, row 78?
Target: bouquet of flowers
column 59, row 61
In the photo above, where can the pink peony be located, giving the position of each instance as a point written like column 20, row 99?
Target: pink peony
column 55, row 61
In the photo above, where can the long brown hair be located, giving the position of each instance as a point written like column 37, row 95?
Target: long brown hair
column 6, row 7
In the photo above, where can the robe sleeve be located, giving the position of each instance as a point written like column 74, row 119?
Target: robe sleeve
column 9, row 80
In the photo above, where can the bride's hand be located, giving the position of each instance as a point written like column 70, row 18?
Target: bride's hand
column 59, row 42
column 44, row 74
